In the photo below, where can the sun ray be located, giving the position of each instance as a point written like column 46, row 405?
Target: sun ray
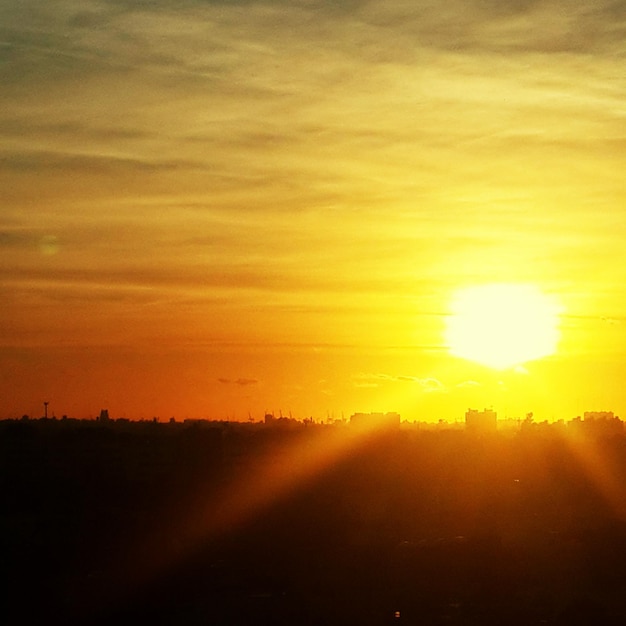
column 273, row 476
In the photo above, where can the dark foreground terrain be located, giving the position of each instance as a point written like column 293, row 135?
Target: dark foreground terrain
column 225, row 524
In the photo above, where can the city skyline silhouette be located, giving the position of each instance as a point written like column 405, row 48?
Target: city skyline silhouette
column 224, row 522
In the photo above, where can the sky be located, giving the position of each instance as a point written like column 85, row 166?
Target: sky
column 222, row 209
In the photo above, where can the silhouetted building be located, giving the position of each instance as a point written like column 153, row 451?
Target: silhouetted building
column 104, row 415
column 481, row 422
column 598, row 415
column 597, row 424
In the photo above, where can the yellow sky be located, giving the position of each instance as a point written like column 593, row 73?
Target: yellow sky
column 216, row 208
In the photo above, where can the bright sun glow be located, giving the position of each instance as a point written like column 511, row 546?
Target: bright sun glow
column 502, row 325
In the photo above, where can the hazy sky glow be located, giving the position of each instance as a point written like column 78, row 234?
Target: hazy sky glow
column 215, row 208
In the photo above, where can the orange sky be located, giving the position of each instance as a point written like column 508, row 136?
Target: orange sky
column 215, row 209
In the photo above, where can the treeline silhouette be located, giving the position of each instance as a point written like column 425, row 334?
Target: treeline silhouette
column 308, row 524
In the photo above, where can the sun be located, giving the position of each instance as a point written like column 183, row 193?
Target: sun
column 502, row 325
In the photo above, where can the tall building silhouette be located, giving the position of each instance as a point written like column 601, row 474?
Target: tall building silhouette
column 481, row 422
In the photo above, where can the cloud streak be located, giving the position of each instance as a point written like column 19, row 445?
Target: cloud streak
column 242, row 382
column 426, row 384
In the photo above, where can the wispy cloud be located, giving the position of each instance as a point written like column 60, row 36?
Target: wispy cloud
column 468, row 384
column 242, row 382
column 426, row 384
